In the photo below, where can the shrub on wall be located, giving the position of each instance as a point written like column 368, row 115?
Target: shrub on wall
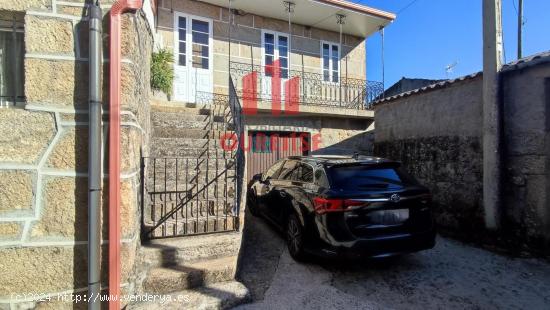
column 162, row 72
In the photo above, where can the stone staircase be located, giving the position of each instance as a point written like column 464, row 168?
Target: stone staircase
column 187, row 167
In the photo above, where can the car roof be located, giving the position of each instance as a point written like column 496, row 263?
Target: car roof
column 331, row 160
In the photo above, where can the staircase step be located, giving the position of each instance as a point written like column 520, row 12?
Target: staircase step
column 188, row 165
column 192, row 209
column 195, row 133
column 164, row 280
column 174, row 119
column 178, row 109
column 164, row 252
column 157, row 184
column 177, row 226
column 192, row 153
column 171, row 193
column 222, row 295
column 185, row 143
column 183, row 107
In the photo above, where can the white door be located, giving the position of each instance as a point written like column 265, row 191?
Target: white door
column 193, row 57
column 330, row 53
column 274, row 47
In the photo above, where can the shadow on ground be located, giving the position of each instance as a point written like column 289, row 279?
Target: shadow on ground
column 453, row 275
column 260, row 254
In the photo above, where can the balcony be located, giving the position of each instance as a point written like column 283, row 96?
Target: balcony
column 311, row 89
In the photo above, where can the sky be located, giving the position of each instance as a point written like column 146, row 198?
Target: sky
column 428, row 35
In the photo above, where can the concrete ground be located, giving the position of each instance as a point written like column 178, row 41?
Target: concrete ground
column 453, row 275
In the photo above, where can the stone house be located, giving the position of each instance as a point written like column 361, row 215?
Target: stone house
column 291, row 73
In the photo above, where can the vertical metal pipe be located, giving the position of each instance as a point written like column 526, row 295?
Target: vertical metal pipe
column 94, row 155
column 492, row 112
column 383, row 64
column 520, row 29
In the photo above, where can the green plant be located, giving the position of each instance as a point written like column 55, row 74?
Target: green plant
column 162, row 71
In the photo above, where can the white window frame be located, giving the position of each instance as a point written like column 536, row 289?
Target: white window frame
column 330, row 61
column 276, row 56
column 189, row 40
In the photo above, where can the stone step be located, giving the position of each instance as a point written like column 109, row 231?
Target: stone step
column 157, row 184
column 184, row 123
column 188, row 220
column 170, row 119
column 222, row 295
column 197, row 205
column 196, row 133
column 185, row 143
column 169, row 192
column 186, row 226
column 168, row 279
column 204, row 103
column 181, row 250
column 191, row 153
column 200, row 205
column 158, row 166
column 191, row 122
column 175, row 107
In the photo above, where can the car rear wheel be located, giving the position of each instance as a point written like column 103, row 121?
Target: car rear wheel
column 295, row 238
column 252, row 203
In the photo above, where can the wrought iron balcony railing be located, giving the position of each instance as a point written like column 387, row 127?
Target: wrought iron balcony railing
column 313, row 87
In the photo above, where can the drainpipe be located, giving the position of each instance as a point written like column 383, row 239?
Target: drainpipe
column 94, row 155
column 118, row 8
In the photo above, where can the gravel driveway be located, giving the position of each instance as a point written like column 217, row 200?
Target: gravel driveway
column 453, row 275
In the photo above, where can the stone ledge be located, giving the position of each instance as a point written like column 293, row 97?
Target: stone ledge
column 311, row 110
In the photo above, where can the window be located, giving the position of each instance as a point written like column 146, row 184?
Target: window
column 331, row 62
column 12, row 52
column 182, row 34
column 367, row 178
column 200, row 33
column 273, row 172
column 276, row 48
column 288, row 169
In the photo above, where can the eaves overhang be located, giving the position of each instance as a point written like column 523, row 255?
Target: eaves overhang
column 360, row 20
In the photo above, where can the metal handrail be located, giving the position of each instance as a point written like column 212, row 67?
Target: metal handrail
column 224, row 118
column 314, row 90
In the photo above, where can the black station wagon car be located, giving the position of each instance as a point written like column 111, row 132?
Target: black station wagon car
column 344, row 206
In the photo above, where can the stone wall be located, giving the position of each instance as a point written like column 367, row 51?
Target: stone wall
column 44, row 149
column 246, row 40
column 437, row 134
column 526, row 106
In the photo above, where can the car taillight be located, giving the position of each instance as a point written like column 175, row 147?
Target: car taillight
column 325, row 205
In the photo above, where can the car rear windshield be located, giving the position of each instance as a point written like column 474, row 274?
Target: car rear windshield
column 359, row 177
